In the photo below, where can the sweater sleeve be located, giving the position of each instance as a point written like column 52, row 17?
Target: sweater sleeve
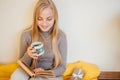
column 24, row 43
column 62, row 45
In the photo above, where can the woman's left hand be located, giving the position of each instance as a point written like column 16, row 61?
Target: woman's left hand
column 38, row 70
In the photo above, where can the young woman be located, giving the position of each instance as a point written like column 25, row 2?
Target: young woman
column 43, row 29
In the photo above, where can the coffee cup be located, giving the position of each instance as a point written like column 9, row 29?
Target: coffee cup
column 38, row 47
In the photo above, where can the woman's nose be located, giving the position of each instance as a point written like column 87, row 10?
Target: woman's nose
column 45, row 23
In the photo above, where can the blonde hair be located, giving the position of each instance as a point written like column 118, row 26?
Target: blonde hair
column 42, row 4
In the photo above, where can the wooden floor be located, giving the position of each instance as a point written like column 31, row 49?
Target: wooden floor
column 109, row 75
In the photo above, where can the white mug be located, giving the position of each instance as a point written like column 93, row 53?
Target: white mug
column 39, row 48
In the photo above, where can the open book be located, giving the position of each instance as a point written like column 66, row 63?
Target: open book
column 45, row 73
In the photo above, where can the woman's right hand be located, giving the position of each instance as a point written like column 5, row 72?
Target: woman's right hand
column 31, row 52
column 38, row 70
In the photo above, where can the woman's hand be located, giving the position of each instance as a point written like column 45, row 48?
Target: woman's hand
column 32, row 52
column 38, row 70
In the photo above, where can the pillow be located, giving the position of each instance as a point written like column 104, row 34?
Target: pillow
column 4, row 78
column 7, row 70
column 91, row 70
column 69, row 70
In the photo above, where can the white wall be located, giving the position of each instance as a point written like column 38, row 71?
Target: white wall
column 92, row 28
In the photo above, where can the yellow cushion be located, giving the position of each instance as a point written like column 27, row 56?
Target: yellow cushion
column 4, row 78
column 7, row 70
column 69, row 70
column 91, row 71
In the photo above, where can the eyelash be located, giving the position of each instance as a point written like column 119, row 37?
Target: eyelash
column 39, row 19
column 47, row 19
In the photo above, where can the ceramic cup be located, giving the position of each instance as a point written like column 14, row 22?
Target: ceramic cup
column 39, row 47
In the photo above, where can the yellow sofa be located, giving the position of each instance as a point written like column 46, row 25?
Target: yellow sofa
column 91, row 70
column 6, row 71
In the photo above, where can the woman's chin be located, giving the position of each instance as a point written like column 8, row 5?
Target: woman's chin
column 45, row 29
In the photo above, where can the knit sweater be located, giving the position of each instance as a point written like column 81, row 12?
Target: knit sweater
column 46, row 60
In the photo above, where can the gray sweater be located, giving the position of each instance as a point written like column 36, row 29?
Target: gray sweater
column 46, row 60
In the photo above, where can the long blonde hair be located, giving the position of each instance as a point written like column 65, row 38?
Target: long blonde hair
column 42, row 4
